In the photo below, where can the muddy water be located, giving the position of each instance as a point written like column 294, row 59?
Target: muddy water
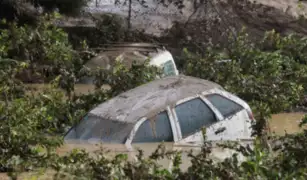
column 288, row 122
column 79, row 88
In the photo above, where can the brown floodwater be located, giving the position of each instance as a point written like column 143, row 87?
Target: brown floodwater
column 286, row 122
column 79, row 88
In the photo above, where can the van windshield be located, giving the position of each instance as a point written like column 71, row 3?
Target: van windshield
column 95, row 128
column 169, row 68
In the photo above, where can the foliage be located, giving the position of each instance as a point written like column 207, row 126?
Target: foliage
column 27, row 11
column 273, row 77
column 45, row 47
column 293, row 46
column 10, row 86
column 18, row 10
column 121, row 78
column 67, row 7
column 111, row 27
column 21, row 137
column 270, row 75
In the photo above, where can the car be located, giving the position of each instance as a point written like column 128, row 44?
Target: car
column 173, row 109
column 129, row 52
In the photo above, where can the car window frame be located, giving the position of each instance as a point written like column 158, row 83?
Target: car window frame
column 217, row 114
column 229, row 96
column 141, row 120
column 232, row 113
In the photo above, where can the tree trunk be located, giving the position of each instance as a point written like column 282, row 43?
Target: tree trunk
column 129, row 14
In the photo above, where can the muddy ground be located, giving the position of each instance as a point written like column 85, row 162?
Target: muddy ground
column 229, row 16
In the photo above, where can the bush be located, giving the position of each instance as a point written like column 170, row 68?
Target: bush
column 22, row 139
column 271, row 77
column 45, row 47
column 27, row 11
column 67, row 7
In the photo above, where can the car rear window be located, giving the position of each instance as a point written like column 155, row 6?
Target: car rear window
column 156, row 129
column 193, row 115
column 92, row 127
column 226, row 106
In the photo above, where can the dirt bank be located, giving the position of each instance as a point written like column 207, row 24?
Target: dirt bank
column 229, row 16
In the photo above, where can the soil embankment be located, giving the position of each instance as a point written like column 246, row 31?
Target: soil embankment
column 229, row 16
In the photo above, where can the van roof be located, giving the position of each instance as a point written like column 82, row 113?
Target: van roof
column 151, row 98
column 127, row 46
column 126, row 52
column 134, row 44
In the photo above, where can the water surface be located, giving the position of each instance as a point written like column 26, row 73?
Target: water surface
column 288, row 122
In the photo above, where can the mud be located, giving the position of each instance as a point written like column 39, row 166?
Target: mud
column 286, row 122
column 79, row 88
column 227, row 17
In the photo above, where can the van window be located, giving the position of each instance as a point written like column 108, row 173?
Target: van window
column 193, row 115
column 156, row 129
column 226, row 106
column 169, row 68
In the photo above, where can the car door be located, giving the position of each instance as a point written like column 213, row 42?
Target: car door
column 151, row 132
column 221, row 123
column 191, row 115
column 223, row 117
column 236, row 124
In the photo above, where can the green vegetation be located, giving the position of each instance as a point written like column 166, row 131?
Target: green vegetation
column 270, row 75
column 27, row 11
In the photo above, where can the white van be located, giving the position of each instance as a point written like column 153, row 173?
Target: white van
column 164, row 59
column 126, row 53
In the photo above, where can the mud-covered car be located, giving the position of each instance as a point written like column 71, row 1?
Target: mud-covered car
column 173, row 110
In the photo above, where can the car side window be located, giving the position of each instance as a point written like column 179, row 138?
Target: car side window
column 226, row 106
column 156, row 129
column 193, row 115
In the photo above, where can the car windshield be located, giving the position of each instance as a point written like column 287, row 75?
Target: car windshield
column 94, row 128
column 169, row 68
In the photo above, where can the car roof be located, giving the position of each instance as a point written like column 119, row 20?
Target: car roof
column 151, row 98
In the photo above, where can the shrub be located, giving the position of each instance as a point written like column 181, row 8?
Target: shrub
column 44, row 46
column 271, row 77
column 27, row 11
column 22, row 139
column 67, row 7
